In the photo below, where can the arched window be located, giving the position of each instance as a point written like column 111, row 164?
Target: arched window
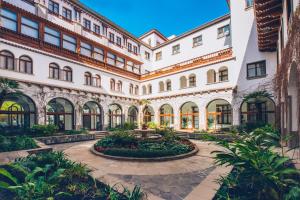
column 97, row 81
column 223, row 74
column 92, row 116
column 88, row 78
column 161, row 86
column 136, row 90
column 115, row 116
column 25, row 65
column 54, row 71
column 258, row 111
column 7, row 60
column 211, row 76
column 183, row 82
column 67, row 73
column 60, row 112
column 112, row 84
column 189, row 116
column 218, row 115
column 144, row 90
column 168, row 85
column 131, row 89
column 119, row 86
column 133, row 115
column 192, row 80
column 166, row 116
column 17, row 111
column 149, row 89
column 148, row 114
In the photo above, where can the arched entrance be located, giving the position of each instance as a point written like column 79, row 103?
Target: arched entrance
column 92, row 116
column 115, row 116
column 148, row 114
column 259, row 111
column 218, row 115
column 133, row 115
column 189, row 116
column 166, row 115
column 17, row 111
column 60, row 112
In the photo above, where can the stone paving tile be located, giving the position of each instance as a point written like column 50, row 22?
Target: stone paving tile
column 171, row 187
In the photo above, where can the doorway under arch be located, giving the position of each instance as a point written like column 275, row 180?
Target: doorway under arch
column 189, row 116
column 92, row 116
column 115, row 116
column 60, row 112
column 166, row 115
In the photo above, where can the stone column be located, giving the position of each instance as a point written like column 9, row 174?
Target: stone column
column 105, row 117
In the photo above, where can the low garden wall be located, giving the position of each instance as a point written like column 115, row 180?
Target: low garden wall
column 203, row 136
column 59, row 139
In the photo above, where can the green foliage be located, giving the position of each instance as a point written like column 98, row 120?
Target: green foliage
column 52, row 176
column 258, row 172
column 152, row 125
column 76, row 132
column 129, row 126
column 16, row 143
column 127, row 145
column 44, row 130
column 257, row 95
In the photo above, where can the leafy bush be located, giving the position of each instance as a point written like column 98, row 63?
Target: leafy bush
column 152, row 125
column 52, row 176
column 16, row 143
column 129, row 126
column 76, row 132
column 44, row 130
column 258, row 172
column 126, row 144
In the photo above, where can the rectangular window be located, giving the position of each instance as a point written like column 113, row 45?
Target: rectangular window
column 119, row 41
column 8, row 19
column 111, row 37
column 85, row 49
column 129, row 47
column 158, row 56
column 111, row 59
column 53, row 7
column 130, row 66
column 289, row 9
column 256, row 70
column 104, row 30
column 29, row 27
column 223, row 75
column 87, row 24
column 147, row 55
column 52, row 36
column 120, row 62
column 135, row 50
column 224, row 31
column 176, row 49
column 98, row 54
column 69, row 43
column 197, row 41
column 67, row 14
column 97, row 29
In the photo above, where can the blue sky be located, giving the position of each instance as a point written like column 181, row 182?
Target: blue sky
column 168, row 16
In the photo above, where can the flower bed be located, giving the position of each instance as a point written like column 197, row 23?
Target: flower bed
column 52, row 176
column 124, row 144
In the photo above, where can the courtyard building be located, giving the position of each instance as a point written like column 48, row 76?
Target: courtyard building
column 77, row 69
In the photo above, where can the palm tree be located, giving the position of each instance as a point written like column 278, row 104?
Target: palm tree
column 7, row 86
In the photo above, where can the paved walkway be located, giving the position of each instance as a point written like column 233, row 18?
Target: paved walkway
column 190, row 178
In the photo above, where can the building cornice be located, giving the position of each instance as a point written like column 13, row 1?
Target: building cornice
column 202, row 92
column 70, row 89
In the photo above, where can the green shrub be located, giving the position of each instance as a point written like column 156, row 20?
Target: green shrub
column 258, row 172
column 129, row 126
column 52, row 176
column 16, row 143
column 139, row 153
column 152, row 125
column 44, row 130
column 118, row 139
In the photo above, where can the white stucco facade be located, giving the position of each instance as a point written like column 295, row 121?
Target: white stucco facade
column 240, row 43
